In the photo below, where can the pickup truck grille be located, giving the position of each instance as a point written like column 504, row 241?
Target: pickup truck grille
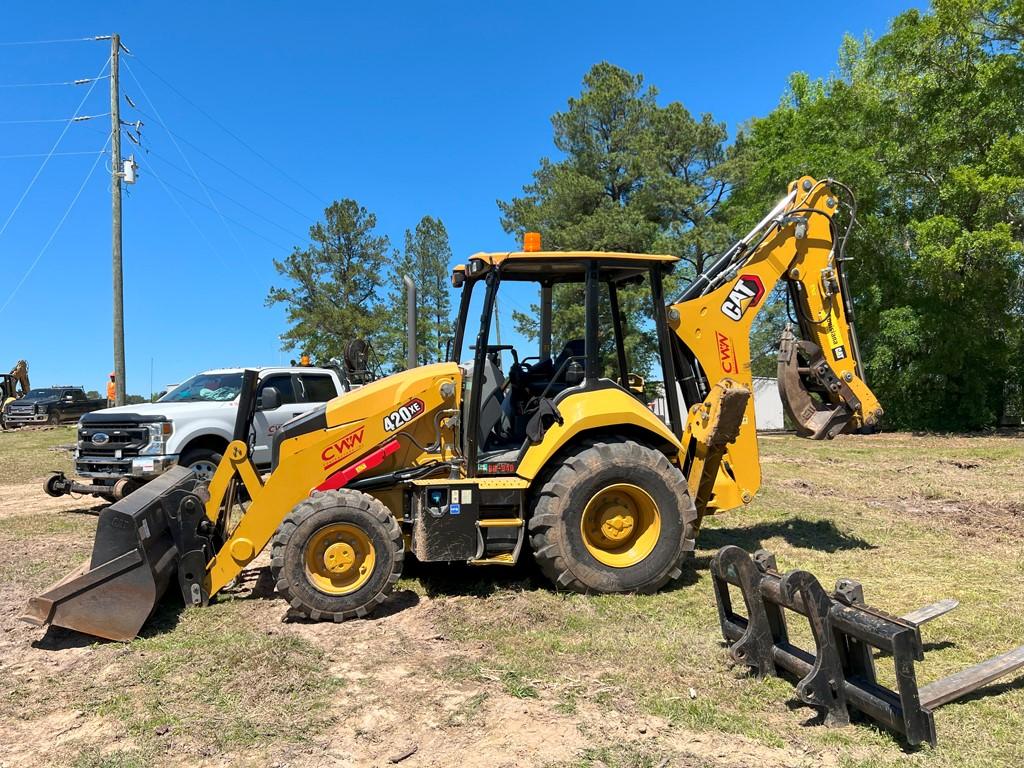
column 129, row 439
column 20, row 409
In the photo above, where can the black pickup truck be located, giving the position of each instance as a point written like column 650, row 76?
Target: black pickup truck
column 51, row 405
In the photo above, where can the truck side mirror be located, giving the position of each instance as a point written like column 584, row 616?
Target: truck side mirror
column 269, row 399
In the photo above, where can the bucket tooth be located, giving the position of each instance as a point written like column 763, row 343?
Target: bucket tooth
column 134, row 558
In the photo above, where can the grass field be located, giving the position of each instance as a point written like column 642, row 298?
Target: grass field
column 484, row 667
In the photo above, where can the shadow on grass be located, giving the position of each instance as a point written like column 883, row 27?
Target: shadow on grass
column 820, row 535
column 93, row 511
column 443, row 579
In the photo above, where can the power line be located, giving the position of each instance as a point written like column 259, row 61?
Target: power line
column 146, row 164
column 69, row 120
column 45, row 154
column 53, row 149
column 228, row 197
column 233, row 135
column 57, row 228
column 195, row 176
column 197, row 201
column 231, row 170
column 49, row 42
column 82, row 81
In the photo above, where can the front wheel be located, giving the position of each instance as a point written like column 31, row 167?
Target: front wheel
column 615, row 517
column 337, row 555
column 53, row 419
column 202, row 461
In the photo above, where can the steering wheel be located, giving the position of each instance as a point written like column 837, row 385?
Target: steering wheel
column 495, row 348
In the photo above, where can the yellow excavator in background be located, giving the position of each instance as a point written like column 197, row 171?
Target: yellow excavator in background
column 471, row 463
column 13, row 386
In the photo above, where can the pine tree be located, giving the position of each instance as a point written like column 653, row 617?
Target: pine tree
column 335, row 283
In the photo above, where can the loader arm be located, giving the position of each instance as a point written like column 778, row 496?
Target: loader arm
column 821, row 380
column 178, row 529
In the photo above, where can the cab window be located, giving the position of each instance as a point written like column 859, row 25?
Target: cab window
column 317, row 388
column 282, row 382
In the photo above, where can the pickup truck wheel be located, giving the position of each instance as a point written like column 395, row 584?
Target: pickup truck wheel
column 202, row 461
column 53, row 418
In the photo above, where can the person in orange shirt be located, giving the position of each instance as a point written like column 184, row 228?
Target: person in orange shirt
column 111, row 391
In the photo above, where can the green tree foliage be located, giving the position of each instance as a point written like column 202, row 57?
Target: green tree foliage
column 426, row 260
column 632, row 176
column 333, row 294
column 925, row 124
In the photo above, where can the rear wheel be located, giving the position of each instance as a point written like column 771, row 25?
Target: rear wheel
column 337, row 555
column 616, row 517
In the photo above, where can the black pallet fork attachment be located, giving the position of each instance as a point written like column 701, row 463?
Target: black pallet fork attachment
column 839, row 676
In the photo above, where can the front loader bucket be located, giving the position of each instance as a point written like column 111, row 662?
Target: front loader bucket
column 134, row 558
column 802, row 368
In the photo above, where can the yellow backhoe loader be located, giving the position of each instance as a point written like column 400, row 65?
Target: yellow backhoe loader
column 471, row 463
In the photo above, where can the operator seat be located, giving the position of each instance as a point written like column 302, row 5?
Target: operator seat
column 543, row 373
column 490, row 400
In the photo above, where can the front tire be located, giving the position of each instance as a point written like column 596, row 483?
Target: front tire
column 202, row 461
column 615, row 517
column 337, row 555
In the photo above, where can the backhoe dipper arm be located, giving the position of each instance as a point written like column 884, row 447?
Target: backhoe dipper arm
column 820, row 378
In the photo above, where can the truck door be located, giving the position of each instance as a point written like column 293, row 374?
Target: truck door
column 78, row 404
column 266, row 423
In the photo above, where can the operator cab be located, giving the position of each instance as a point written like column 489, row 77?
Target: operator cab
column 511, row 397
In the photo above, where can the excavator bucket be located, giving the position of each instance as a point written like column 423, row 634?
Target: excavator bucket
column 136, row 553
column 809, row 389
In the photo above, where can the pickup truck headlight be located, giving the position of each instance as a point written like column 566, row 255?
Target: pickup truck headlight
column 158, row 433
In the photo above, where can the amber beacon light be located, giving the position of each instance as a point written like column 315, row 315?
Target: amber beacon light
column 531, row 242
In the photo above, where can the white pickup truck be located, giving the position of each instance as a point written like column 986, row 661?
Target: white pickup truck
column 121, row 448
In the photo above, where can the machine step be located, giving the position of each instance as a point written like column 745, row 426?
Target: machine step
column 501, row 522
column 502, row 558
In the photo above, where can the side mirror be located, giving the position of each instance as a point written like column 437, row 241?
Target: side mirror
column 269, row 400
column 574, row 374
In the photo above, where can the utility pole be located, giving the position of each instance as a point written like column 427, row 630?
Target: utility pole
column 115, row 164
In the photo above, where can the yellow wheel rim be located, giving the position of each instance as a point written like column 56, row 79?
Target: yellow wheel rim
column 339, row 558
column 621, row 525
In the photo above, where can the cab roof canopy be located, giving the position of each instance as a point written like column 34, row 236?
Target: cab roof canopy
column 570, row 266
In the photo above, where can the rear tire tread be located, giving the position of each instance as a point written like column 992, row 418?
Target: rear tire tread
column 555, row 497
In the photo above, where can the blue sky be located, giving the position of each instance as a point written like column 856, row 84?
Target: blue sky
column 411, row 109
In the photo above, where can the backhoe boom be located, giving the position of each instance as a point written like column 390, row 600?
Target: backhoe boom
column 821, row 380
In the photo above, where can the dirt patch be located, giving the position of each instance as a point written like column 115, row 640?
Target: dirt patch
column 1000, row 521
column 24, row 498
column 393, row 700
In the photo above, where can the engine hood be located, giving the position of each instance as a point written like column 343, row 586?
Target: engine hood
column 389, row 393
column 157, row 411
column 371, row 415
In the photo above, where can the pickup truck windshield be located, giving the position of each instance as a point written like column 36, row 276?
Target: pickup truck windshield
column 43, row 394
column 206, row 387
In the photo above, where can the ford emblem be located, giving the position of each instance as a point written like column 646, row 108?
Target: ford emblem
column 100, row 438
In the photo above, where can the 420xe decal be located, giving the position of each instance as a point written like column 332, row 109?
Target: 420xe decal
column 403, row 415
column 746, row 293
